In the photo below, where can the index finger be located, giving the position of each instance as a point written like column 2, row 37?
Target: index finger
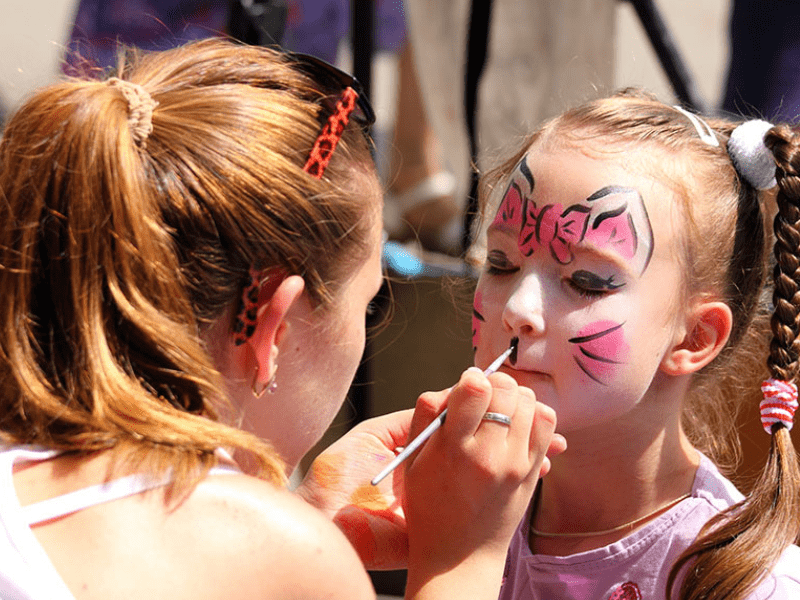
column 467, row 403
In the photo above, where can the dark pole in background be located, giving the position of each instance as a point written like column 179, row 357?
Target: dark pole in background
column 668, row 55
column 362, row 23
column 257, row 22
column 477, row 48
column 362, row 27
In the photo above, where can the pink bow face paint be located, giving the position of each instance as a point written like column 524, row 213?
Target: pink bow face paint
column 573, row 270
column 613, row 217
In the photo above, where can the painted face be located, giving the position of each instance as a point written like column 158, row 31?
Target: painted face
column 581, row 267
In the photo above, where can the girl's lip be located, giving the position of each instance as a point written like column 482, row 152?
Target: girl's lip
column 511, row 370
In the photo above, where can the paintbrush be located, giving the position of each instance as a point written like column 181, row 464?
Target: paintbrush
column 438, row 421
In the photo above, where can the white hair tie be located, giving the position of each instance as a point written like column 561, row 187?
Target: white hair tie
column 750, row 156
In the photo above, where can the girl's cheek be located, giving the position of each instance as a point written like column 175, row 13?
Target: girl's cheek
column 477, row 319
column 600, row 350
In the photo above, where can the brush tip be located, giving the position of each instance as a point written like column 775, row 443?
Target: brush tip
column 514, row 345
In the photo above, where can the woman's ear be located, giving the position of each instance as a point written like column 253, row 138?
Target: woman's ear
column 708, row 327
column 271, row 325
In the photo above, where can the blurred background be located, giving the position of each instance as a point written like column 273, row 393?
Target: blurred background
column 33, row 36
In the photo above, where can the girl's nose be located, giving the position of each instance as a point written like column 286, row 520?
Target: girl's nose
column 524, row 311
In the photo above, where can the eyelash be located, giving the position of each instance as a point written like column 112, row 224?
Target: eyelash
column 583, row 292
column 498, row 264
column 591, row 285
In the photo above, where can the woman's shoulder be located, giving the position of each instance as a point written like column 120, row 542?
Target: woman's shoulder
column 232, row 536
column 266, row 540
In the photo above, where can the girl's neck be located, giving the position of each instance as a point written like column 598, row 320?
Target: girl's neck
column 609, row 478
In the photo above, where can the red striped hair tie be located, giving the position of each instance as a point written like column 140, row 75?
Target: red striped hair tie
column 779, row 403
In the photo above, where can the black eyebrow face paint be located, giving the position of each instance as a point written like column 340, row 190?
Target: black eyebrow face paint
column 514, row 344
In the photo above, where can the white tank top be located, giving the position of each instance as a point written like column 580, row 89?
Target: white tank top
column 26, row 572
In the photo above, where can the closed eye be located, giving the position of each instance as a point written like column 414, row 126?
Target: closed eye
column 591, row 285
column 497, row 263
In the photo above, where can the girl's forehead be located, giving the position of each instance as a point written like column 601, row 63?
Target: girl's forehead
column 599, row 197
column 568, row 172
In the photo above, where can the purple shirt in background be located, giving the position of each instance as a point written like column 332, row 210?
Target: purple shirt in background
column 637, row 566
column 313, row 26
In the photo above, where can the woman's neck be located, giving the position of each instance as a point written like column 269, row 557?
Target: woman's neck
column 612, row 477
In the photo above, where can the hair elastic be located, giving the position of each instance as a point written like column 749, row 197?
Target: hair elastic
column 779, row 403
column 750, row 156
column 140, row 108
column 703, row 130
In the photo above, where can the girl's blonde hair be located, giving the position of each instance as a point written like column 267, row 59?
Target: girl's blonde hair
column 115, row 254
column 724, row 256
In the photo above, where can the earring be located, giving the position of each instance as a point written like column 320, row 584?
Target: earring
column 269, row 387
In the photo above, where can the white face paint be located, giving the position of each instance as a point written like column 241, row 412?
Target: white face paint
column 581, row 267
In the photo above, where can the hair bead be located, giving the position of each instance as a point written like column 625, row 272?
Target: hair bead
column 779, row 403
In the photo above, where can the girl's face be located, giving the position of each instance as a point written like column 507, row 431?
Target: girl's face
column 582, row 266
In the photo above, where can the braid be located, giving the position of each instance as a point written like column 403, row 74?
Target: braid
column 737, row 548
column 784, row 348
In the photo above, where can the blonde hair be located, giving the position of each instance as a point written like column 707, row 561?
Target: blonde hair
column 115, row 254
column 725, row 257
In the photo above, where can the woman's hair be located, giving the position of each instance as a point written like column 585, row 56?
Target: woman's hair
column 119, row 247
column 724, row 257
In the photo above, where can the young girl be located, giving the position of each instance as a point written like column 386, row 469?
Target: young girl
column 627, row 255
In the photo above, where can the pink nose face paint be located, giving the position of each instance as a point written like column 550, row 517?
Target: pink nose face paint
column 599, row 349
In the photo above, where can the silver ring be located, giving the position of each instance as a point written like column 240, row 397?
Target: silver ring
column 497, row 417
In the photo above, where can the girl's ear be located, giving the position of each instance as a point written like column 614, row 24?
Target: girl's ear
column 708, row 327
column 271, row 326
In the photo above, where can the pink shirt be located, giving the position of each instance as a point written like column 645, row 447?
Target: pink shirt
column 637, row 566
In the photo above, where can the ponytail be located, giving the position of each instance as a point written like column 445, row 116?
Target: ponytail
column 737, row 548
column 100, row 344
